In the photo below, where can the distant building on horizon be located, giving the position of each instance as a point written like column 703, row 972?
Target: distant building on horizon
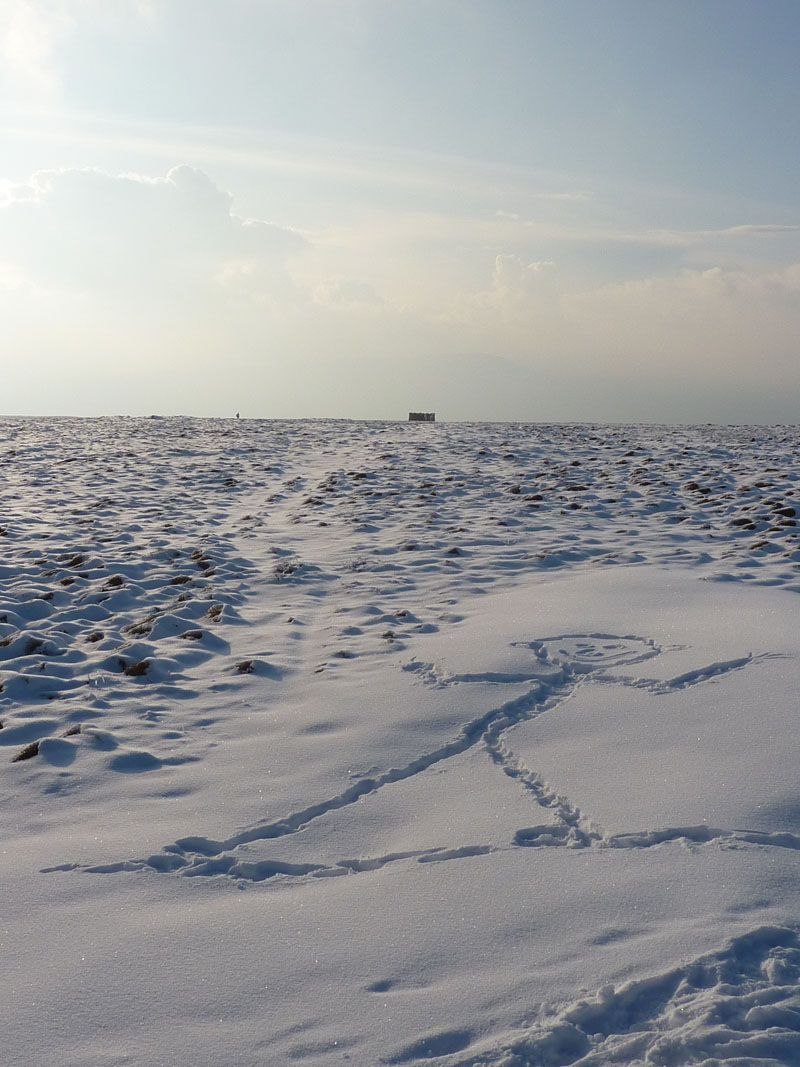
column 422, row 416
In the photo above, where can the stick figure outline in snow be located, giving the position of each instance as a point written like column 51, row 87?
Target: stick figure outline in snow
column 557, row 666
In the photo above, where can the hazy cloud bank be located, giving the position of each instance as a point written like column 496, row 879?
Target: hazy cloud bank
column 101, row 275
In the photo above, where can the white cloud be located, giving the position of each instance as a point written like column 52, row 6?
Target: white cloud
column 348, row 294
column 667, row 346
column 577, row 196
column 516, row 290
column 137, row 293
column 754, row 229
column 101, row 274
column 512, row 274
column 133, row 236
column 700, row 324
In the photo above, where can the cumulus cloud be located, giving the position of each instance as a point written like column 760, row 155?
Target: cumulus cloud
column 347, row 294
column 668, row 346
column 513, row 274
column 132, row 234
column 699, row 323
column 102, row 273
column 515, row 291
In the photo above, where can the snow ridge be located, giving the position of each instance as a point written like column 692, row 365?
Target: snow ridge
column 739, row 1005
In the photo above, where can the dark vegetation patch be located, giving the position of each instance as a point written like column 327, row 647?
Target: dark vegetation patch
column 28, row 752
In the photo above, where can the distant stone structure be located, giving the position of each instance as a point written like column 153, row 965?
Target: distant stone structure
column 422, row 416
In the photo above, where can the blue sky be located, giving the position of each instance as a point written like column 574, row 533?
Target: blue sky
column 574, row 210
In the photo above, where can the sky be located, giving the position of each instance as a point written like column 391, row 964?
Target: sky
column 515, row 210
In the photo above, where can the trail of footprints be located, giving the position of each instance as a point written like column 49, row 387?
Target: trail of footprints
column 559, row 664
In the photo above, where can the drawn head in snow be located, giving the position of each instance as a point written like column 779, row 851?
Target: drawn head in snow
column 586, row 652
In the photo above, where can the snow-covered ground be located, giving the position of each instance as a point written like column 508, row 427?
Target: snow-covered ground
column 375, row 743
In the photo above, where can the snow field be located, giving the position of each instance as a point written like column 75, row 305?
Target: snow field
column 374, row 743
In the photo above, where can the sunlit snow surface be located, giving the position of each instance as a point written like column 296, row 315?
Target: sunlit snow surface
column 376, row 743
